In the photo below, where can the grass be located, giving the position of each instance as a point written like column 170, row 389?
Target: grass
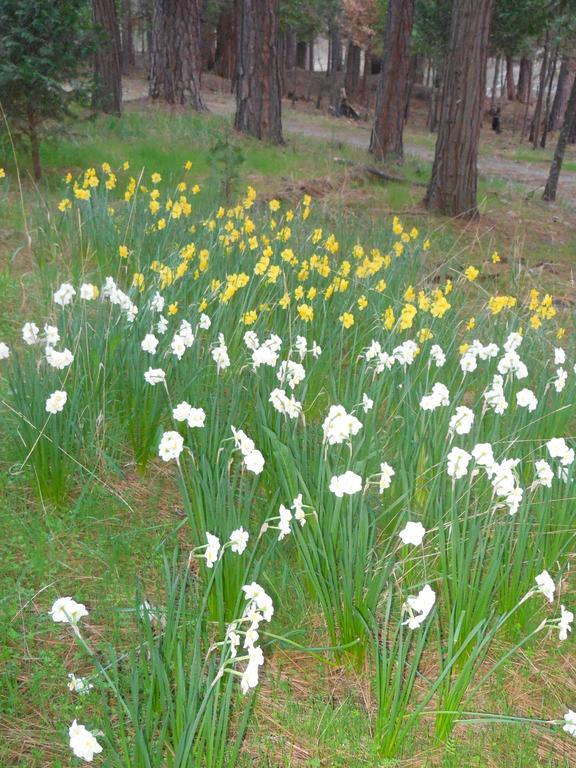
column 110, row 538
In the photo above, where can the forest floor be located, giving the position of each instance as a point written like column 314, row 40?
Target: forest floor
column 303, row 119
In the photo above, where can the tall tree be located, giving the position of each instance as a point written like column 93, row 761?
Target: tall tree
column 563, row 88
column 568, row 127
column 128, row 53
column 42, row 59
column 453, row 185
column 352, row 74
column 176, row 57
column 107, row 94
column 510, row 86
column 387, row 133
column 225, row 56
column 258, row 87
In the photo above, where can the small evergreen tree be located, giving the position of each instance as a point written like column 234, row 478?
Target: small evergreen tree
column 43, row 47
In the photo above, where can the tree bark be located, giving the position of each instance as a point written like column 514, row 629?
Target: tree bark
column 563, row 88
column 366, row 72
column 453, row 186
column 551, row 76
column 301, row 54
column 290, row 49
column 128, row 55
column 387, row 133
column 311, row 55
column 176, row 62
column 495, row 82
column 226, row 32
column 568, row 127
column 510, row 88
column 535, row 130
column 107, row 94
column 352, row 74
column 258, row 100
column 334, row 49
column 524, row 87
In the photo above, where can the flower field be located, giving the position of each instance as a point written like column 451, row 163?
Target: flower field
column 386, row 438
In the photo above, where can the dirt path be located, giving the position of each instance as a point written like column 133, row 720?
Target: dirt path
column 530, row 175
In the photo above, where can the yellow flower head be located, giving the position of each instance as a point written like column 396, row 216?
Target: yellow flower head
column 123, row 251
column 347, row 319
column 173, row 308
column 274, row 205
column 306, row 312
column 495, row 257
column 156, row 178
column 249, row 318
column 471, row 273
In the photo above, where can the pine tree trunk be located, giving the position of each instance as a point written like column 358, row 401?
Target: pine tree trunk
column 567, row 128
column 301, row 54
column 128, row 55
column 366, row 72
column 258, row 101
column 510, row 88
column 176, row 63
column 352, row 74
column 311, row 55
column 387, row 133
column 290, row 49
column 453, row 186
column 546, row 114
column 207, row 37
column 495, row 82
column 563, row 87
column 334, row 50
column 524, row 87
column 226, row 33
column 107, row 94
column 535, row 130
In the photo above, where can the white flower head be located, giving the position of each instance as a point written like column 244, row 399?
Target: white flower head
column 83, row 743
column 212, row 549
column 79, row 685
column 386, row 475
column 59, row 360
column 349, row 483
column 239, row 540
column 4, row 351
column 155, row 376
column 56, row 402
column 565, row 623
column 88, row 292
column 412, row 533
column 527, row 399
column 570, row 722
column 150, row 344
column 30, row 333
column 339, row 425
column 65, row 610
column 458, row 460
column 171, row 446
column 546, row 585
column 419, row 607
column 462, row 421
column 64, row 295
column 254, row 461
column 367, row 403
